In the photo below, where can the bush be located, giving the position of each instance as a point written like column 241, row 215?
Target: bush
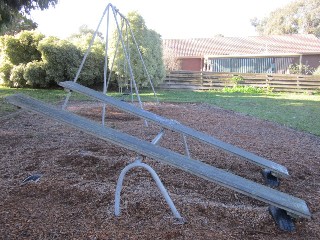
column 317, row 71
column 35, row 75
column 5, row 72
column 16, row 78
column 244, row 89
column 61, row 59
column 22, row 48
column 92, row 71
column 236, row 79
column 304, row 69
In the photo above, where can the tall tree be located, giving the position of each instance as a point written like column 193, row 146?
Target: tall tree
column 150, row 47
column 300, row 16
column 13, row 14
column 92, row 72
column 19, row 23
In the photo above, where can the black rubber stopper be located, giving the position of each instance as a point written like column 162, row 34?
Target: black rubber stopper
column 269, row 179
column 282, row 219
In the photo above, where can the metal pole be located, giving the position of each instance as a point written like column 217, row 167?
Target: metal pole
column 140, row 55
column 105, row 70
column 156, row 178
column 186, row 149
column 127, row 57
column 144, row 66
column 85, row 57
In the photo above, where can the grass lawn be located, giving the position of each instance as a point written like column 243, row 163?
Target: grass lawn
column 299, row 111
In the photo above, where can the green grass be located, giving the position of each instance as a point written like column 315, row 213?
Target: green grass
column 52, row 96
column 299, row 111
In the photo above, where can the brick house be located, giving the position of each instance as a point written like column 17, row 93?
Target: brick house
column 257, row 54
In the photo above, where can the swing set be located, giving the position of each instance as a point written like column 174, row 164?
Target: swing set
column 282, row 206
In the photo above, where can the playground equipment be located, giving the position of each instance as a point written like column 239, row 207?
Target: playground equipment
column 282, row 206
column 284, row 202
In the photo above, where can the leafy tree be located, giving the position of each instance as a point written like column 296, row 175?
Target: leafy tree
column 300, row 16
column 12, row 11
column 153, row 57
column 27, row 5
column 61, row 59
column 170, row 60
column 16, row 50
column 35, row 75
column 85, row 35
column 149, row 43
column 22, row 48
column 16, row 78
column 5, row 72
column 18, row 23
column 92, row 71
column 47, row 61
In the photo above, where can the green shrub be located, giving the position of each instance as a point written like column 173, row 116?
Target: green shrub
column 5, row 72
column 317, row 71
column 236, row 79
column 35, row 75
column 92, row 71
column 303, row 69
column 61, row 58
column 16, row 78
column 22, row 48
column 243, row 89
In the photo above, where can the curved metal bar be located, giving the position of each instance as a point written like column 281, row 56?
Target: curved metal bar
column 156, row 178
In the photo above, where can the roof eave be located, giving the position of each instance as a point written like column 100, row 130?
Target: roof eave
column 262, row 55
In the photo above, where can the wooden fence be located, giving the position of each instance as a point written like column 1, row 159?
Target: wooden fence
column 210, row 80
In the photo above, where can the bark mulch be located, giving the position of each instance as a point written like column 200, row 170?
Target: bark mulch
column 74, row 198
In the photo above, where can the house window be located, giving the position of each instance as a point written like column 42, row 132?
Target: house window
column 250, row 65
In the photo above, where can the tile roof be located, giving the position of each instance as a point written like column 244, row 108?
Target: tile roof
column 272, row 44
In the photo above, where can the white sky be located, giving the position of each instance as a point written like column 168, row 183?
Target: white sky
column 171, row 19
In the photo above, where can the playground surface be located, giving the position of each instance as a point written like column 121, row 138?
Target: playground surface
column 74, row 198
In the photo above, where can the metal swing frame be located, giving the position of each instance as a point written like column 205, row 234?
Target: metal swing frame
column 106, row 80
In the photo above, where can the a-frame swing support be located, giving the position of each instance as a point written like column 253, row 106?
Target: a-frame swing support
column 106, row 80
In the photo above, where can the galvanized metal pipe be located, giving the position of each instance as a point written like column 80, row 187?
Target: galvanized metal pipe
column 156, row 178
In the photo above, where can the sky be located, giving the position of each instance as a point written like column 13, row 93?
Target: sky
column 170, row 18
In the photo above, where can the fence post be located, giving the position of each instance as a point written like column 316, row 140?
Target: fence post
column 267, row 81
column 298, row 81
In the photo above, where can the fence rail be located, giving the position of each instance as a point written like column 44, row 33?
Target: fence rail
column 210, row 80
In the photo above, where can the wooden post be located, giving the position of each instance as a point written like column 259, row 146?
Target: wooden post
column 300, row 64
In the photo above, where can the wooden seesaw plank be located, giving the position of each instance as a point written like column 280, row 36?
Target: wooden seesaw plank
column 291, row 204
column 178, row 127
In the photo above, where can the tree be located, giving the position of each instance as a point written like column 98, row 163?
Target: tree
column 22, row 48
column 18, row 23
column 13, row 13
column 61, row 59
column 85, row 33
column 16, row 52
column 300, row 16
column 92, row 71
column 149, row 44
column 29, row 59
column 171, row 61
